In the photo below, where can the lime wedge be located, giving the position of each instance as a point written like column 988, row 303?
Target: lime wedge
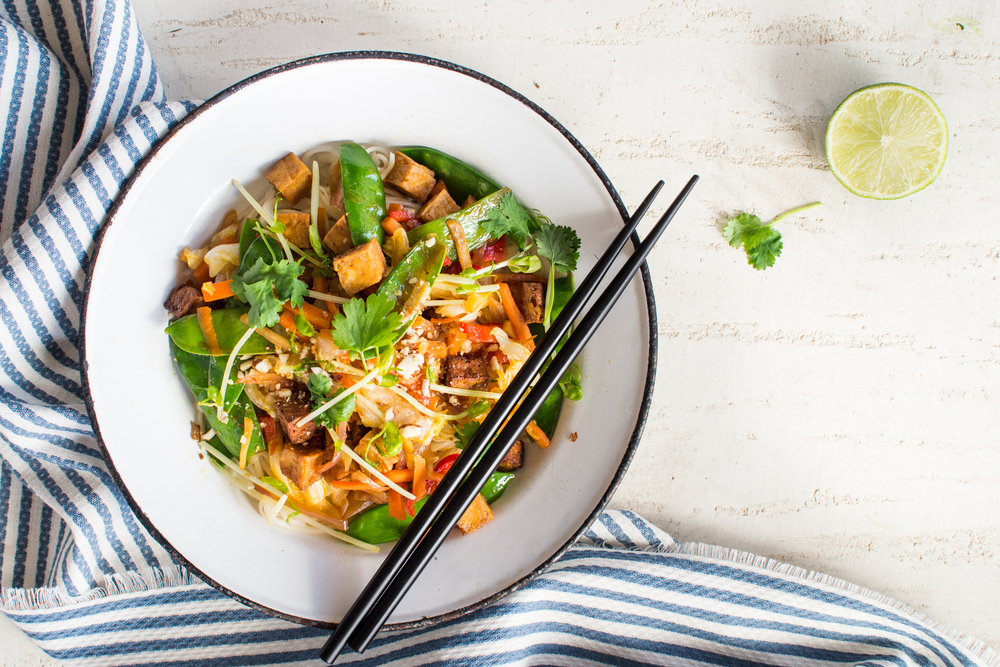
column 886, row 141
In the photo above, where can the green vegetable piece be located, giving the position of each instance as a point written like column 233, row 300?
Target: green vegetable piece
column 248, row 234
column 231, row 431
column 364, row 196
column 548, row 415
column 375, row 526
column 509, row 218
column 570, row 383
column 362, row 327
column 423, row 263
column 216, row 369
column 392, row 442
column 461, row 179
column 261, row 248
column 496, row 485
column 267, row 286
column 761, row 242
column 186, row 333
column 276, row 483
column 469, row 218
column 464, row 433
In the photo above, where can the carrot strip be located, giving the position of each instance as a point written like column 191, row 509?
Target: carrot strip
column 216, row 291
column 316, row 316
column 208, row 329
column 437, row 349
column 245, row 440
column 521, row 331
column 397, row 505
column 456, row 338
column 321, row 284
column 461, row 245
column 390, row 225
column 400, row 476
column 419, row 488
column 287, row 321
column 201, row 272
column 538, row 435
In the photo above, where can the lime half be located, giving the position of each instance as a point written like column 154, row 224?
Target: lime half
column 886, row 141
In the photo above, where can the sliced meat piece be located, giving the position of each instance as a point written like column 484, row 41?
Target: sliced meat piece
column 183, row 301
column 437, row 206
column 360, row 267
column 530, row 300
column 478, row 514
column 301, row 463
column 410, row 177
column 290, row 409
column 296, row 228
column 338, row 239
column 514, row 458
column 292, row 178
column 337, row 188
column 467, row 372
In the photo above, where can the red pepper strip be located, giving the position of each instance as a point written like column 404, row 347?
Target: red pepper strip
column 478, row 333
column 402, row 215
column 444, row 465
column 494, row 252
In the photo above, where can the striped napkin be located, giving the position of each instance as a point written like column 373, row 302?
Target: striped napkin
column 79, row 574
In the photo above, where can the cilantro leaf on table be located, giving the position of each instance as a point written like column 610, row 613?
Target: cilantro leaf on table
column 320, row 388
column 266, row 287
column 464, row 433
column 362, row 326
column 509, row 218
column 560, row 244
column 761, row 242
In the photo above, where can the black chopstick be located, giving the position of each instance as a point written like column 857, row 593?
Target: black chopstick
column 399, row 555
column 524, row 413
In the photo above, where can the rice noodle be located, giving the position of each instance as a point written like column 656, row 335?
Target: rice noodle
column 384, row 159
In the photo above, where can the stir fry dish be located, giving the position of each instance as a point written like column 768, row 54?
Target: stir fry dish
column 346, row 333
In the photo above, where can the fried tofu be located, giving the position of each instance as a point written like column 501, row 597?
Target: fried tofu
column 478, row 514
column 530, row 299
column 360, row 267
column 337, row 188
column 469, row 201
column 296, row 228
column 338, row 239
column 513, row 459
column 437, row 206
column 411, row 178
column 292, row 178
column 467, row 372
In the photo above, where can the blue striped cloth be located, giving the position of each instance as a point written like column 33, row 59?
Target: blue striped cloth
column 81, row 576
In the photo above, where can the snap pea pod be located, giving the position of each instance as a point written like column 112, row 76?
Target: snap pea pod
column 201, row 372
column 422, row 263
column 468, row 217
column 186, row 333
column 364, row 196
column 461, row 179
column 548, row 415
column 247, row 236
column 375, row 526
column 261, row 248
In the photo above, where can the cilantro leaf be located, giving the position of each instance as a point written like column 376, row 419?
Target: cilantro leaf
column 508, row 218
column 366, row 325
column 560, row 244
column 266, row 287
column 570, row 384
column 464, row 434
column 761, row 242
column 392, row 441
column 320, row 388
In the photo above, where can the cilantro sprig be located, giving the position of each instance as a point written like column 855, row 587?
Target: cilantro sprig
column 362, row 327
column 561, row 246
column 508, row 218
column 320, row 388
column 266, row 287
column 761, row 242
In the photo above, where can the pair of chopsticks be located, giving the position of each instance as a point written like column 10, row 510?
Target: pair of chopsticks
column 459, row 488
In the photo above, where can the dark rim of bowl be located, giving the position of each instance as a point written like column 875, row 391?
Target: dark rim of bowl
column 433, row 62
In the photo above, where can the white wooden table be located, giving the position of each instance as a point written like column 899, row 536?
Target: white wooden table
column 837, row 411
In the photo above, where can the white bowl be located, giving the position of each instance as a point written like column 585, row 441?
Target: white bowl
column 141, row 409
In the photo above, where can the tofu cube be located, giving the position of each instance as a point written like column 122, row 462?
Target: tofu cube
column 467, row 372
column 513, row 459
column 469, row 201
column 411, row 177
column 437, row 206
column 292, row 178
column 338, row 239
column 360, row 267
column 478, row 514
column 296, row 228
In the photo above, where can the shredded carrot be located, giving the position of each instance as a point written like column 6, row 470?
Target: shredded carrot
column 456, row 337
column 419, row 488
column 321, row 284
column 397, row 505
column 437, row 349
column 287, row 321
column 201, row 272
column 461, row 245
column 390, row 225
column 316, row 316
column 521, row 331
column 279, row 342
column 537, row 434
column 400, row 476
column 214, row 291
column 208, row 329
column 245, row 440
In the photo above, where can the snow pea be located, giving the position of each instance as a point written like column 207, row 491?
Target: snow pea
column 375, row 526
column 231, row 431
column 260, row 248
column 461, row 179
column 364, row 195
column 468, row 217
column 186, row 333
column 548, row 415
column 423, row 262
